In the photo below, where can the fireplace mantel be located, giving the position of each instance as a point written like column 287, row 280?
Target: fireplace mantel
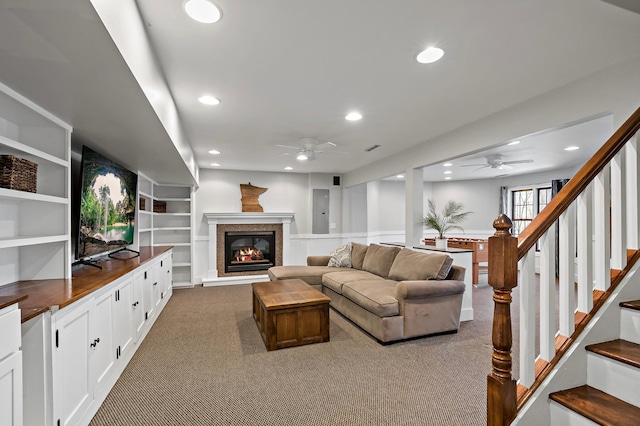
column 214, row 219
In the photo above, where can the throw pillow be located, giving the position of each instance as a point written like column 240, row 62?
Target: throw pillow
column 358, row 251
column 379, row 259
column 410, row 265
column 341, row 257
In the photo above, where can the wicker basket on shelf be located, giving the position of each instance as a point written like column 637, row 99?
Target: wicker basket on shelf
column 159, row 207
column 18, row 173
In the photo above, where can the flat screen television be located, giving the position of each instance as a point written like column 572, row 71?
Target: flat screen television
column 107, row 206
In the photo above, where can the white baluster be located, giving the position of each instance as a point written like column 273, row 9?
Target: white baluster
column 528, row 318
column 585, row 250
column 567, row 280
column 602, row 230
column 548, row 294
column 618, row 212
column 633, row 193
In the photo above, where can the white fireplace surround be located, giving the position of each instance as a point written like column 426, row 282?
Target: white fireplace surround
column 213, row 219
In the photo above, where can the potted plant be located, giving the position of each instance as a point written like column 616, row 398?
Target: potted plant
column 450, row 218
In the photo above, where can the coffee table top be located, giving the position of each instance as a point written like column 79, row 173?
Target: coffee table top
column 284, row 293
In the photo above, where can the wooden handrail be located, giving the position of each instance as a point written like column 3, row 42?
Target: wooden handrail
column 577, row 184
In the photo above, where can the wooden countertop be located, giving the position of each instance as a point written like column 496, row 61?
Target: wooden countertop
column 10, row 300
column 38, row 296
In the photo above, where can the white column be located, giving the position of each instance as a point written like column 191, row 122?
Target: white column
column 618, row 212
column 633, row 193
column 286, row 240
column 585, row 251
column 414, row 192
column 212, row 270
column 567, row 257
column 602, row 230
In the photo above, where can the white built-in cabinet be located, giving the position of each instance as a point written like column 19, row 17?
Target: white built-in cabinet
column 173, row 227
column 94, row 338
column 34, row 245
column 10, row 367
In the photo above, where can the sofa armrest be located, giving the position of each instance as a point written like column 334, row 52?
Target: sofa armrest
column 318, row 260
column 425, row 289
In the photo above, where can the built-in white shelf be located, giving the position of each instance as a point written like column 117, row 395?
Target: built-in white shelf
column 10, row 194
column 26, row 149
column 174, row 228
column 35, row 225
column 19, row 241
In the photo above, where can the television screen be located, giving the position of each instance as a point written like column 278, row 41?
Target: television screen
column 107, row 205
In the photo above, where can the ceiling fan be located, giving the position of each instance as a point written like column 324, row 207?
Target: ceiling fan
column 496, row 162
column 308, row 148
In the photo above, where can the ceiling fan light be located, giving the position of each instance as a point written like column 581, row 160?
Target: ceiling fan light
column 430, row 55
column 202, row 11
column 302, row 157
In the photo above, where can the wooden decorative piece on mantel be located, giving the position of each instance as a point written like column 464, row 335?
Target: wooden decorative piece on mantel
column 250, row 196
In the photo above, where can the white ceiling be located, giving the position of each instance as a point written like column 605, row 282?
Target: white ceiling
column 286, row 70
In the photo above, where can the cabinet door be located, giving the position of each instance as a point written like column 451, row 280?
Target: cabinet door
column 123, row 311
column 150, row 284
column 138, row 304
column 71, row 374
column 102, row 352
column 11, row 390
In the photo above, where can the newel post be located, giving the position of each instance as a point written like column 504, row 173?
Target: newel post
column 503, row 277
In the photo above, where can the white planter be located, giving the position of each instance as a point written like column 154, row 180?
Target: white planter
column 441, row 243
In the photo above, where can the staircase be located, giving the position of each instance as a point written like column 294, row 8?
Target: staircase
column 612, row 393
column 579, row 349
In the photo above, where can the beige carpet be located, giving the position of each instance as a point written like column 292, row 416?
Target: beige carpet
column 204, row 363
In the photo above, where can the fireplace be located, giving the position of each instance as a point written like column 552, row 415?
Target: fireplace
column 249, row 251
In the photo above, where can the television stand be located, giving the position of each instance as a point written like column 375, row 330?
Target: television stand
column 137, row 253
column 87, row 262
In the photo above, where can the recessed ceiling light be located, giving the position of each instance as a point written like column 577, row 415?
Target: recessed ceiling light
column 215, row 164
column 429, row 55
column 399, row 176
column 447, row 165
column 209, row 100
column 514, row 143
column 288, row 168
column 571, row 148
column 302, row 157
column 353, row 116
column 447, row 178
column 448, row 172
column 214, row 152
column 202, row 11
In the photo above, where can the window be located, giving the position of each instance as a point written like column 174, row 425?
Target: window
column 526, row 203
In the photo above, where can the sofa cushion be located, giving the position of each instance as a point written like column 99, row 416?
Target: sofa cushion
column 341, row 257
column 411, row 265
column 358, row 251
column 312, row 275
column 376, row 296
column 379, row 259
column 335, row 280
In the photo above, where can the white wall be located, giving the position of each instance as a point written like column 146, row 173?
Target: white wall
column 354, row 214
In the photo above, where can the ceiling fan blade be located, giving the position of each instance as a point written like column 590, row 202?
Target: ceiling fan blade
column 504, row 166
column 289, row 147
column 325, row 145
column 517, row 162
column 475, row 165
column 483, row 166
column 332, row 151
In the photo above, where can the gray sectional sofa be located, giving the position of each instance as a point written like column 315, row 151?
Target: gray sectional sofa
column 392, row 293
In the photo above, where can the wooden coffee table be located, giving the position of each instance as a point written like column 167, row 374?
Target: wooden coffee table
column 290, row 313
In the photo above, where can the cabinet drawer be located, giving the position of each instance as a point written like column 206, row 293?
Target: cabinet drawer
column 10, row 327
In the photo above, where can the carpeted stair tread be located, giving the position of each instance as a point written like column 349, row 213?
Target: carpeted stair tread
column 633, row 304
column 619, row 350
column 598, row 406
